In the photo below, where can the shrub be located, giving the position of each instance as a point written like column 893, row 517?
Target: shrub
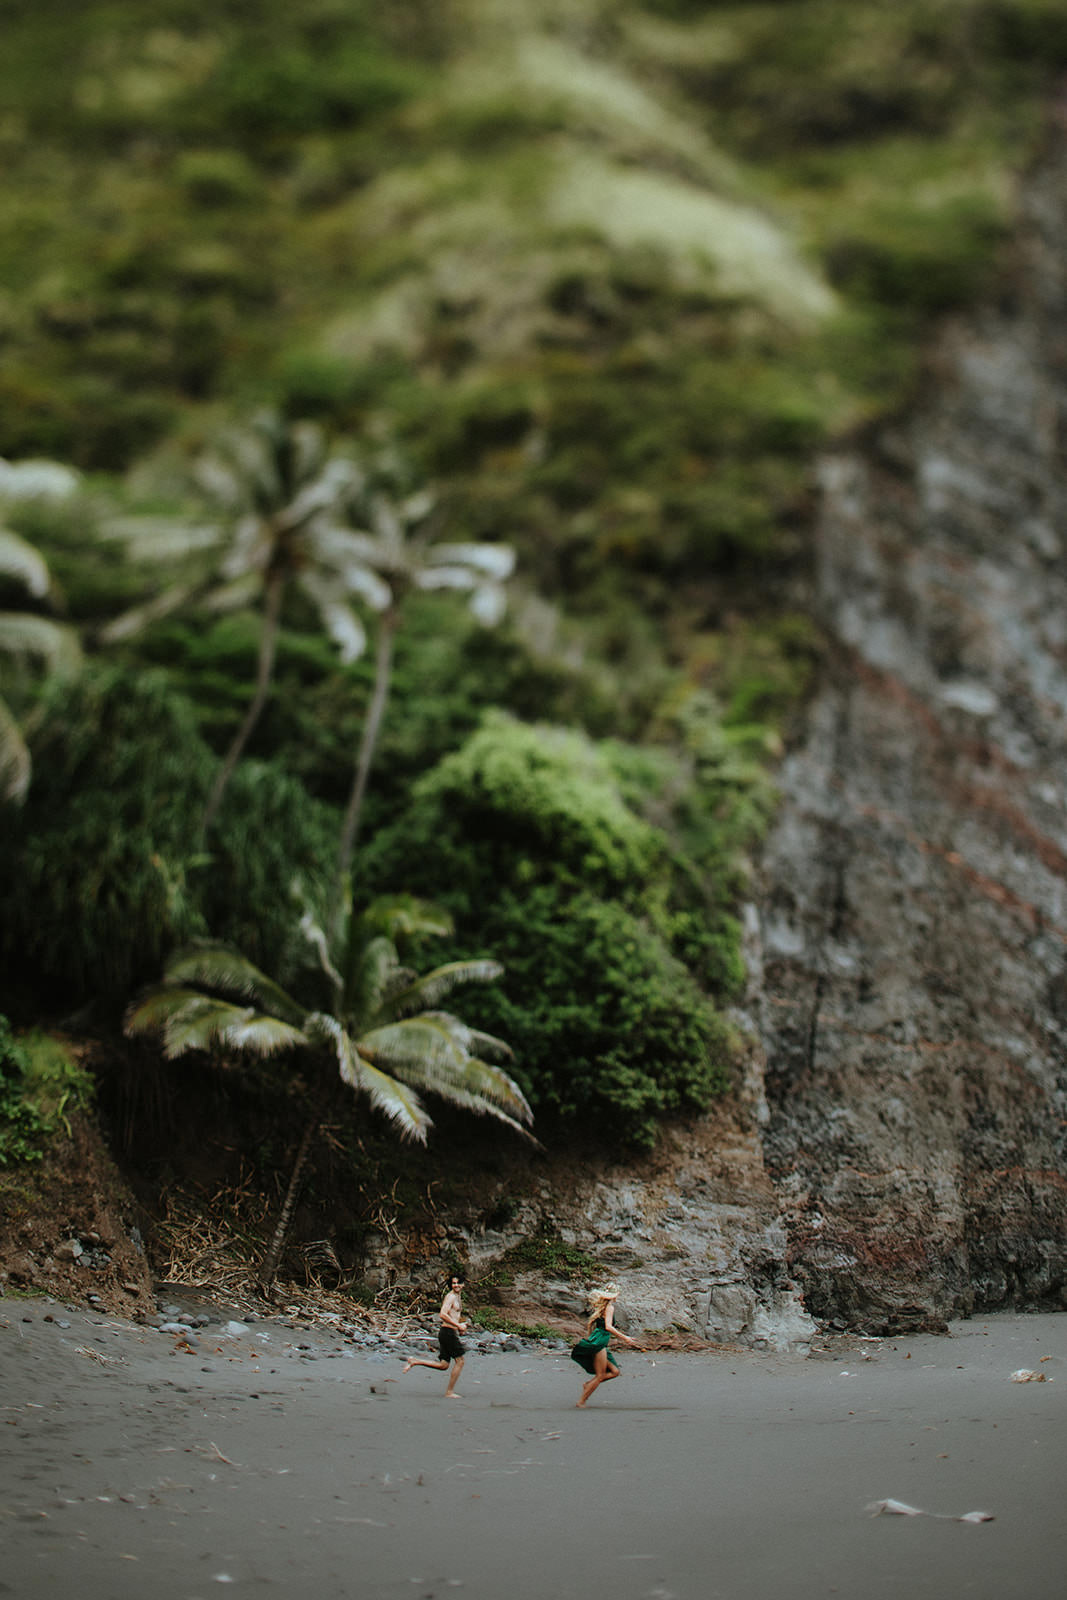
column 94, row 870
column 40, row 1082
column 21, row 1125
column 103, row 871
column 270, row 835
column 526, row 835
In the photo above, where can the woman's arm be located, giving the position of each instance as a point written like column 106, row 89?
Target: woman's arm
column 616, row 1333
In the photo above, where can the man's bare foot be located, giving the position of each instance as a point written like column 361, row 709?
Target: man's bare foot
column 408, row 1365
column 453, row 1394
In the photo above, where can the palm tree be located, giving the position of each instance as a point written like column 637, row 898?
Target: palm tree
column 24, row 633
column 399, row 551
column 380, row 1033
column 281, row 495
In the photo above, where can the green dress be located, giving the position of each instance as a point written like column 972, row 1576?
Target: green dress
column 585, row 1350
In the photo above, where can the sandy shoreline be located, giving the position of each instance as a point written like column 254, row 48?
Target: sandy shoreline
column 131, row 1470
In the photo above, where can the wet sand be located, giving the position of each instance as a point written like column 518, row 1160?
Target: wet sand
column 131, row 1470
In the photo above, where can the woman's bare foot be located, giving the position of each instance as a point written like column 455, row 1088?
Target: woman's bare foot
column 408, row 1365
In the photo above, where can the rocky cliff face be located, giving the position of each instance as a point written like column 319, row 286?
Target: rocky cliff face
column 914, row 924
column 897, row 1155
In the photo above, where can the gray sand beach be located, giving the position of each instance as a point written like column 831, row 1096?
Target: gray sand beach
column 279, row 1462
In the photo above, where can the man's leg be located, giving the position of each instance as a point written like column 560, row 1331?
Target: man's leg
column 438, row 1366
column 457, row 1368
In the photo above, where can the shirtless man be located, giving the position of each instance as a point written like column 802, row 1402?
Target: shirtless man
column 452, row 1325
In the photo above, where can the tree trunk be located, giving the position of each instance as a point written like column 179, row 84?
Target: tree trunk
column 268, row 1269
column 383, row 668
column 268, row 645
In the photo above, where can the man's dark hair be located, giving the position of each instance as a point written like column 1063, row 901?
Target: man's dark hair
column 457, row 1272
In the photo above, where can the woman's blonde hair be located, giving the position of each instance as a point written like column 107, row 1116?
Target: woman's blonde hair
column 599, row 1300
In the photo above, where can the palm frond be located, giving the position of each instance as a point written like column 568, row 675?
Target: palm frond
column 372, row 977
column 388, row 524
column 428, row 1055
column 308, row 445
column 399, row 1103
column 316, row 937
column 217, row 966
column 393, row 1099
column 232, row 595
column 260, row 1034
column 158, row 538
column 486, row 1084
column 341, row 546
column 138, row 618
column 472, row 1040
column 395, row 983
column 418, row 1048
column 432, row 987
column 22, row 633
column 366, row 585
column 488, row 604
column 417, row 506
column 19, row 559
column 445, row 578
column 37, row 478
column 220, row 482
column 310, row 501
column 149, row 1013
column 466, row 1101
column 496, row 561
column 250, row 548
column 405, row 916
column 14, row 759
column 253, row 455
column 339, row 620
column 189, row 1020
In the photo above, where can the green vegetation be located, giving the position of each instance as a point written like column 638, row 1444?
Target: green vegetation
column 611, row 939
column 543, row 1252
column 598, row 277
column 368, row 1022
column 23, row 634
column 41, row 1084
column 496, row 1322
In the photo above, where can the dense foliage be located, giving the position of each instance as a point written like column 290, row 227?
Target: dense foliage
column 607, row 272
column 612, row 942
column 102, row 872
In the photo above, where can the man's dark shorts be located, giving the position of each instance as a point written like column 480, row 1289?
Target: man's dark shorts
column 449, row 1345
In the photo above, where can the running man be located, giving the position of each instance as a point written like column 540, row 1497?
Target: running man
column 448, row 1341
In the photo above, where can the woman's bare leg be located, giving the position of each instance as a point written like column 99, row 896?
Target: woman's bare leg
column 603, row 1372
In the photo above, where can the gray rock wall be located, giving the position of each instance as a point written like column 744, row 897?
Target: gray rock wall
column 895, row 1152
column 914, row 915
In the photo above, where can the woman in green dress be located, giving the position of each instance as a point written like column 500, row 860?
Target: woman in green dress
column 593, row 1353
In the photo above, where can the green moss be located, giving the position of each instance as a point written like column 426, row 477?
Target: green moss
column 497, row 1322
column 549, row 1253
column 41, row 1085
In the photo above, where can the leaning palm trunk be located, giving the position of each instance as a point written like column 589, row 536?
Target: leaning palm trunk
column 268, row 646
column 383, row 669
column 268, row 1268
column 386, row 1037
